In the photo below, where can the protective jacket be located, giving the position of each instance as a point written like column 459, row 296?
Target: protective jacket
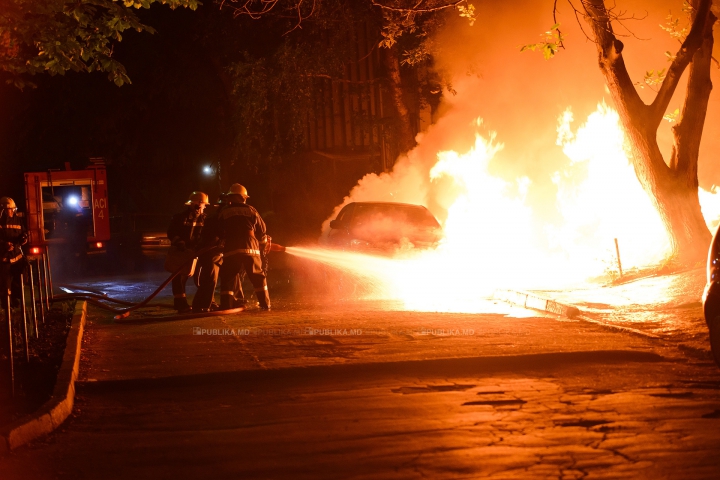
column 186, row 227
column 12, row 230
column 242, row 229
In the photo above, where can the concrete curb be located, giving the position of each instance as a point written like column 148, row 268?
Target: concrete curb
column 536, row 302
column 49, row 417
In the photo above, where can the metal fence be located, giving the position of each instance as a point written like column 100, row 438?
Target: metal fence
column 35, row 292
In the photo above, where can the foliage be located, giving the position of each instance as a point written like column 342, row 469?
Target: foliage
column 303, row 54
column 417, row 26
column 56, row 36
column 549, row 46
column 672, row 116
column 273, row 87
column 673, row 28
column 652, row 79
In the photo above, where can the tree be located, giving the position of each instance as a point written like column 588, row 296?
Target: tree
column 403, row 29
column 671, row 186
column 56, row 36
column 406, row 32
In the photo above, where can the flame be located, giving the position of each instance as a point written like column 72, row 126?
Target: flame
column 494, row 237
column 607, row 202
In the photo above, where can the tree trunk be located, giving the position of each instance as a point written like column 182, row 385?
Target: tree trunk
column 672, row 188
column 391, row 59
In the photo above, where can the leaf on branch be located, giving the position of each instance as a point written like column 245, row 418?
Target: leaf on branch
column 468, row 12
column 652, row 79
column 672, row 25
column 550, row 45
column 672, row 117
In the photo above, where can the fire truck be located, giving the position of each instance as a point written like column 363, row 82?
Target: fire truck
column 68, row 205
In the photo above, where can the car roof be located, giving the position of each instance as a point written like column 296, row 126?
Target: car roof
column 388, row 204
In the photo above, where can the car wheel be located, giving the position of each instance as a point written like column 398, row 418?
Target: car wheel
column 714, row 327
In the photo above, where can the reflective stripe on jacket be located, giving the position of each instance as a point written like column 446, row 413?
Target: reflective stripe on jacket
column 242, row 229
column 12, row 230
column 187, row 227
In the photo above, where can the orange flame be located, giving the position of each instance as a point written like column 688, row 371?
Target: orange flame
column 493, row 238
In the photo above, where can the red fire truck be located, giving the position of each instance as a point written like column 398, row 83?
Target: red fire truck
column 57, row 198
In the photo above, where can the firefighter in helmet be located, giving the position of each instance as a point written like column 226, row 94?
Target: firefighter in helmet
column 12, row 261
column 210, row 262
column 184, row 233
column 245, row 237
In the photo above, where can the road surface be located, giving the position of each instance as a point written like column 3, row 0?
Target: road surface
column 360, row 389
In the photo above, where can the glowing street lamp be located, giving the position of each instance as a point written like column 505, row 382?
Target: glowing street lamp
column 213, row 169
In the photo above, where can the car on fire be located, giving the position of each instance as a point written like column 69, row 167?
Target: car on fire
column 711, row 296
column 384, row 227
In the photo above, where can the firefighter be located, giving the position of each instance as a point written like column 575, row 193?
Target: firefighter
column 244, row 235
column 184, row 233
column 13, row 263
column 209, row 262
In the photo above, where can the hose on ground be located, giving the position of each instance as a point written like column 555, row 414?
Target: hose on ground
column 96, row 297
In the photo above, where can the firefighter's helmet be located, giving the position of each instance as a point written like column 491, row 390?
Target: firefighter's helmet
column 7, row 202
column 237, row 189
column 198, row 198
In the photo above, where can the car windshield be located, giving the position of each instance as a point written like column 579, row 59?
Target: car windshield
column 379, row 223
column 402, row 214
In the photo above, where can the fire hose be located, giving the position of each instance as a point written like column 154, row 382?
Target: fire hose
column 97, row 297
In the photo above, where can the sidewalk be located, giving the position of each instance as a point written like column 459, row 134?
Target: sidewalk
column 293, row 393
column 666, row 306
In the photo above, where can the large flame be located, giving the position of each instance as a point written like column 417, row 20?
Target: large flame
column 493, row 238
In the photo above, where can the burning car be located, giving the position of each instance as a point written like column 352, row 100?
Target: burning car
column 384, row 227
column 711, row 296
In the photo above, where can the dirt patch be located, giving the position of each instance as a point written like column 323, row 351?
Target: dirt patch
column 34, row 380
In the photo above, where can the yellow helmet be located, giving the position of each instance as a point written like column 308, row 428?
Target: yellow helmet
column 197, row 198
column 7, row 202
column 237, row 189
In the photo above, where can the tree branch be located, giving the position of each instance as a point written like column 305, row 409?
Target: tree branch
column 555, row 22
column 416, row 9
column 688, row 131
column 684, row 56
column 611, row 61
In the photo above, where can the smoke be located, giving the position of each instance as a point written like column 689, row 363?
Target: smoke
column 521, row 96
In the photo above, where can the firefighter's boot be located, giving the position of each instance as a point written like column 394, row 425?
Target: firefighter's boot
column 227, row 301
column 180, row 304
column 263, row 297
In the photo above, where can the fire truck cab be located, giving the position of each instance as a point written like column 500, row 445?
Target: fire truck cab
column 68, row 206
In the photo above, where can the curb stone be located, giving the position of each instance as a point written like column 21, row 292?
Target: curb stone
column 49, row 416
column 536, row 302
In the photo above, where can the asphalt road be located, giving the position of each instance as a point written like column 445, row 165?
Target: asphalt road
column 361, row 390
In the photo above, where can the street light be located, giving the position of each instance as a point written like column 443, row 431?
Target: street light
column 214, row 169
